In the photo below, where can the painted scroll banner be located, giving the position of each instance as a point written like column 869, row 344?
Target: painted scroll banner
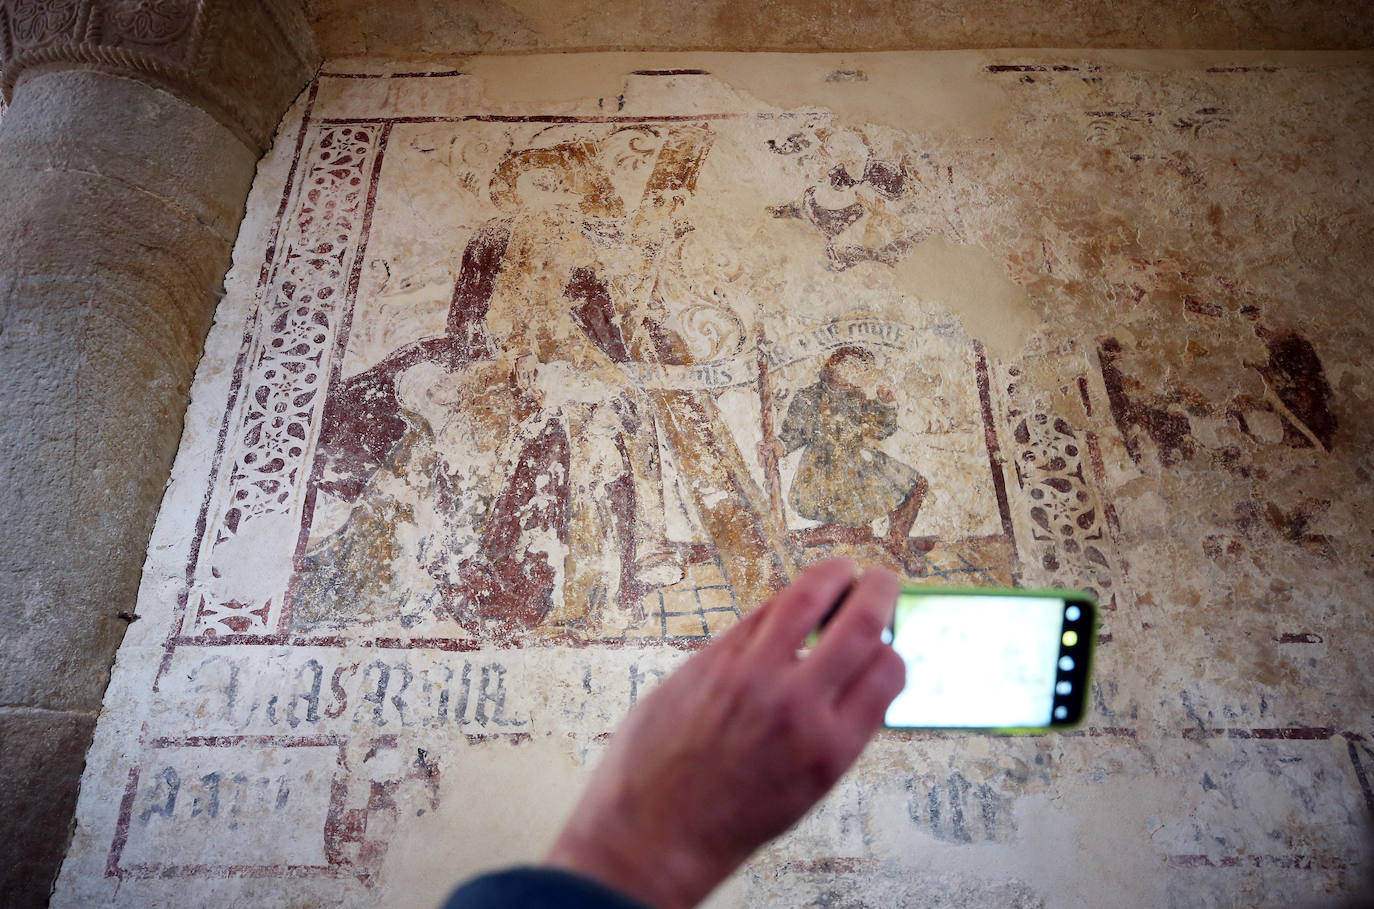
column 743, row 369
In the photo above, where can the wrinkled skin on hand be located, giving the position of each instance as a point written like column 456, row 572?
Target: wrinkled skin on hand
column 739, row 743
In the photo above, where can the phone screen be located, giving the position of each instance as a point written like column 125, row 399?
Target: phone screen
column 984, row 660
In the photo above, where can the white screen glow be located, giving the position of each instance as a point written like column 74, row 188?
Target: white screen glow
column 976, row 661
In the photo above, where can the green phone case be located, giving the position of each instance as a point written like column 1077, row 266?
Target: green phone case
column 1077, row 595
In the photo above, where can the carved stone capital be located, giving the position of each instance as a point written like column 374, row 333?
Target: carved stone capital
column 241, row 60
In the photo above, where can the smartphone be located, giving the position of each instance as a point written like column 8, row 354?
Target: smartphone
column 993, row 659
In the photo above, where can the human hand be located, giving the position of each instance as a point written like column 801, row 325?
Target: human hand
column 733, row 748
column 525, row 373
column 774, row 450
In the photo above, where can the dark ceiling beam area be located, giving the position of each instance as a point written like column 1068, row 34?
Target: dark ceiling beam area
column 440, row 28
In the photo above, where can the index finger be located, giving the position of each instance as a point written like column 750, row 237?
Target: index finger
column 795, row 611
column 855, row 633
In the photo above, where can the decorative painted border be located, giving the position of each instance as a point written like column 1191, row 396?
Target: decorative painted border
column 1068, row 533
column 305, row 292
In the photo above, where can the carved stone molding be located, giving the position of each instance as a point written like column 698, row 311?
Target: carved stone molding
column 241, row 60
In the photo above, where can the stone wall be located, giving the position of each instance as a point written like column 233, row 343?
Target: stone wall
column 129, row 140
column 531, row 377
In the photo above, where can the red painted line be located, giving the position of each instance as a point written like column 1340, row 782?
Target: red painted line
column 239, row 741
column 1038, row 68
column 1129, row 114
column 436, row 74
column 166, row 662
column 221, row 640
column 1099, row 732
column 449, row 645
column 1272, row 733
column 286, row 871
column 838, row 865
column 121, row 837
column 925, row 735
column 1298, row 732
column 1361, row 775
column 999, row 483
column 1099, row 469
column 1297, row 862
column 332, row 640
column 1083, row 393
column 514, row 738
column 267, row 640
column 533, row 118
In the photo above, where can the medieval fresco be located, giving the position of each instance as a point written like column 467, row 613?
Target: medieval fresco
column 513, row 405
column 576, row 409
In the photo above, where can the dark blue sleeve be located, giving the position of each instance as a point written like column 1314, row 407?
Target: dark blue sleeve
column 537, row 888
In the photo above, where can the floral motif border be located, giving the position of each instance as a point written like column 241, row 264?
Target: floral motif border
column 285, row 367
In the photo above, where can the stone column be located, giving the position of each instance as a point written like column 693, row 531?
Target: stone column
column 126, row 154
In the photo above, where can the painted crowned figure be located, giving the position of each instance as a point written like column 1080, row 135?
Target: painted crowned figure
column 555, row 303
column 566, row 319
column 575, row 308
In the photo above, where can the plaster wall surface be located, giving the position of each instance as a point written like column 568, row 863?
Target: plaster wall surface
column 534, row 373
